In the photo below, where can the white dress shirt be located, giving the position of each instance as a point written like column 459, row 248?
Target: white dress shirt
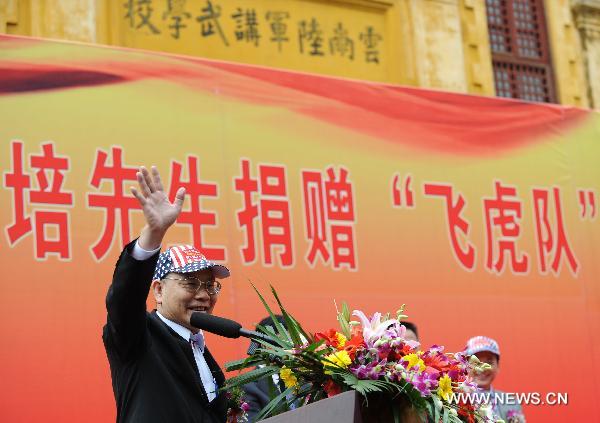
column 196, row 340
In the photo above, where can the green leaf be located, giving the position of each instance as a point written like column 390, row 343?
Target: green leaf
column 274, row 333
column 445, row 417
column 279, row 339
column 430, row 408
column 243, row 363
column 436, row 414
column 345, row 311
column 276, row 402
column 273, row 350
column 343, row 318
column 251, row 376
column 312, row 347
column 236, row 365
column 309, row 338
column 301, row 395
column 455, row 419
column 365, row 386
column 280, row 329
column 291, row 324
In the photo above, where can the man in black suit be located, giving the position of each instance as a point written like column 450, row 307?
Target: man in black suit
column 259, row 393
column 160, row 368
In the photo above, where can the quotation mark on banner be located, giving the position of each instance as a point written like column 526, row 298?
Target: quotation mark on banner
column 397, row 192
column 587, row 197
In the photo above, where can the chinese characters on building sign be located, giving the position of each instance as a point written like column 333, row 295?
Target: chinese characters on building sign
column 250, row 26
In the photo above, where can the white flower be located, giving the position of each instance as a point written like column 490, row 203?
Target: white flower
column 374, row 330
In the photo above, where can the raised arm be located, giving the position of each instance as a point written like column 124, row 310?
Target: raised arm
column 126, row 297
column 159, row 212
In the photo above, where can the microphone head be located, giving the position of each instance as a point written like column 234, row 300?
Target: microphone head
column 215, row 324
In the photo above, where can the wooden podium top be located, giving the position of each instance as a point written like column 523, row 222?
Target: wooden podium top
column 348, row 407
column 342, row 408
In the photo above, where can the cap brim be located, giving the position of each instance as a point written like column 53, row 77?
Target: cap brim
column 478, row 350
column 219, row 271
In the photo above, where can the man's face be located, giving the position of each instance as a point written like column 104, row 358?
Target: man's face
column 177, row 303
column 484, row 379
column 410, row 335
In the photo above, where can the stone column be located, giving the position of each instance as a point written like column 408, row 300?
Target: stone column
column 476, row 44
column 566, row 54
column 439, row 57
column 587, row 21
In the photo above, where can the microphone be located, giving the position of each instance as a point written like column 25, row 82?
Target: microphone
column 224, row 327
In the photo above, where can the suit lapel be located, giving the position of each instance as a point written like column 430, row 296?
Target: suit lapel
column 182, row 362
column 219, row 404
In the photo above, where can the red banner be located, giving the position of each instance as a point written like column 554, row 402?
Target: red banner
column 479, row 213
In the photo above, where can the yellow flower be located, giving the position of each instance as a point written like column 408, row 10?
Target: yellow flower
column 288, row 377
column 341, row 339
column 337, row 359
column 414, row 360
column 445, row 387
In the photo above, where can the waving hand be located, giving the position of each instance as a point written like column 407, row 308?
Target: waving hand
column 159, row 212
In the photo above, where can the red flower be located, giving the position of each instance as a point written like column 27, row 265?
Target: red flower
column 329, row 337
column 355, row 343
column 351, row 346
column 332, row 388
column 466, row 410
column 398, row 352
column 406, row 349
column 437, row 361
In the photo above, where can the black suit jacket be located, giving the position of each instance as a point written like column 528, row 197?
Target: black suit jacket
column 258, row 394
column 154, row 375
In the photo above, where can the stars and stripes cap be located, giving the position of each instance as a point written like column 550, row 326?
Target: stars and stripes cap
column 482, row 343
column 186, row 259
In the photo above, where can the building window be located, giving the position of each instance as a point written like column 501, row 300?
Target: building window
column 520, row 54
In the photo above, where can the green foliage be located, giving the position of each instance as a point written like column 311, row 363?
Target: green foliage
column 368, row 386
column 294, row 328
column 400, row 313
column 343, row 318
column 243, row 363
column 251, row 376
column 282, row 401
column 436, row 413
column 275, row 403
column 283, row 334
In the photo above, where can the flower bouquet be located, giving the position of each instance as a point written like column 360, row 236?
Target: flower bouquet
column 236, row 406
column 370, row 356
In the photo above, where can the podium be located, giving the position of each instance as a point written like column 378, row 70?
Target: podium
column 348, row 407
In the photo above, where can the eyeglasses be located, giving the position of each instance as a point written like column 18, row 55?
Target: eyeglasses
column 194, row 285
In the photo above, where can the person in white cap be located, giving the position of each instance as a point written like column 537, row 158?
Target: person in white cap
column 160, row 367
column 487, row 351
